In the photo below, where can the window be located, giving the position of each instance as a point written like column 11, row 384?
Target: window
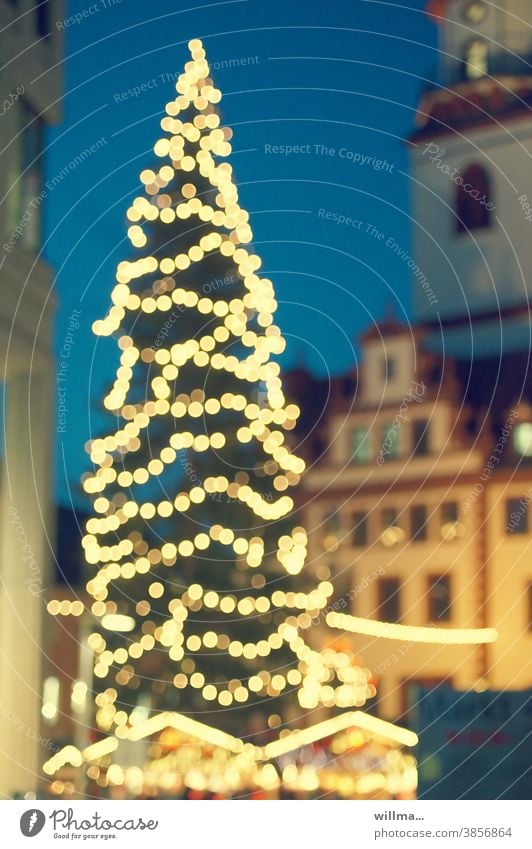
column 472, row 200
column 439, row 598
column 42, row 20
column 391, row 533
column 418, row 523
column 25, row 198
column 517, row 516
column 388, row 592
column 420, row 438
column 389, row 369
column 523, row 439
column 476, row 59
column 359, row 536
column 331, row 519
column 389, row 441
column 389, row 518
column 361, row 445
column 449, row 512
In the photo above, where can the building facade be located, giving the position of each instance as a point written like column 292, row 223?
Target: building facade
column 419, row 505
column 30, row 85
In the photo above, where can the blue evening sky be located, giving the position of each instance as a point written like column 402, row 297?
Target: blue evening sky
column 339, row 79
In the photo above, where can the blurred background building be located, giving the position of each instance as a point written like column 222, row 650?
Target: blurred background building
column 30, row 86
column 427, row 472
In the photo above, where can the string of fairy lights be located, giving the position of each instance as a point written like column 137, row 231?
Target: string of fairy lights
column 329, row 677
column 326, row 678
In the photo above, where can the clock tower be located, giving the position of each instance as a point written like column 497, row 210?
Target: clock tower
column 472, row 180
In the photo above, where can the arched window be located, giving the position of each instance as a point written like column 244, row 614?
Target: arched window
column 472, row 204
column 476, row 59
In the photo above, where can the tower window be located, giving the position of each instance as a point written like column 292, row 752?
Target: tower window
column 472, row 204
column 475, row 12
column 42, row 11
column 476, row 59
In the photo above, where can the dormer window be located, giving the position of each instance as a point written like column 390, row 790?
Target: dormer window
column 476, row 59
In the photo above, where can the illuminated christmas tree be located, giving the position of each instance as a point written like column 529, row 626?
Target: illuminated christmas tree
column 202, row 603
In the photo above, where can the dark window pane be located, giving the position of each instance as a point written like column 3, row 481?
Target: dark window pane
column 439, row 596
column 42, row 11
column 449, row 512
column 389, row 518
column 24, row 202
column 420, row 437
column 389, row 441
column 388, row 368
column 360, row 529
column 332, row 519
column 517, row 516
column 388, row 592
column 472, row 199
column 418, row 523
column 361, row 445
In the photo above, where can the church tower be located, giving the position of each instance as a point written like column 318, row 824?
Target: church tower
column 472, row 180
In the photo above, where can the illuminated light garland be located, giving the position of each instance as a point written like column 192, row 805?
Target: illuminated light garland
column 189, row 726
column 306, row 736
column 220, row 739
column 122, row 484
column 415, row 633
